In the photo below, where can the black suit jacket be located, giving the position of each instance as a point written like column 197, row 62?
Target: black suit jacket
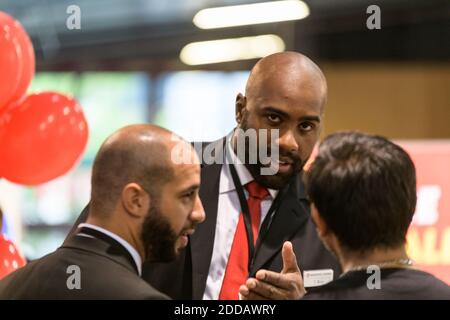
column 106, row 272
column 186, row 277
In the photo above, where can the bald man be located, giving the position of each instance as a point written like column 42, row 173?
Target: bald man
column 143, row 208
column 242, row 249
column 288, row 92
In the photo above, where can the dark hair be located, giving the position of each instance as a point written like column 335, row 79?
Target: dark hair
column 364, row 188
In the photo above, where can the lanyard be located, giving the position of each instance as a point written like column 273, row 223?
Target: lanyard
column 252, row 250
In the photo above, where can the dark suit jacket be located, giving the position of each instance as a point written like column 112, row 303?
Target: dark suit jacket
column 186, row 277
column 106, row 272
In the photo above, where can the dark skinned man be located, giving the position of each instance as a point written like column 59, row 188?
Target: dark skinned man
column 285, row 92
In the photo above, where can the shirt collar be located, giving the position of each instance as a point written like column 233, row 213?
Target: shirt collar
column 136, row 257
column 226, row 180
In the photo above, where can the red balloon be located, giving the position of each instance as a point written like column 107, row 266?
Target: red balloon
column 17, row 61
column 26, row 54
column 10, row 258
column 41, row 138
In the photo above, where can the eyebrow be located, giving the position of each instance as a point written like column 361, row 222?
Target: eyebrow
column 190, row 188
column 286, row 115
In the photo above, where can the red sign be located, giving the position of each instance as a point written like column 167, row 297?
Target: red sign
column 429, row 234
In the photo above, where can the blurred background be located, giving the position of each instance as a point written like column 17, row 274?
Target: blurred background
column 151, row 61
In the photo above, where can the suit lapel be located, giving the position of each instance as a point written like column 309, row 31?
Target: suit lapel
column 292, row 215
column 202, row 241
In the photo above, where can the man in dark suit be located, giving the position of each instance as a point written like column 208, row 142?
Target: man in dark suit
column 143, row 208
column 366, row 224
column 235, row 246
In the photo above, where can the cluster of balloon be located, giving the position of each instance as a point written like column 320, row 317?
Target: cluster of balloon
column 43, row 134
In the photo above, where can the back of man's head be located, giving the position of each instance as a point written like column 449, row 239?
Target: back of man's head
column 136, row 154
column 364, row 189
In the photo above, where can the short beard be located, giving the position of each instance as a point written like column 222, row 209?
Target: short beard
column 158, row 237
column 278, row 180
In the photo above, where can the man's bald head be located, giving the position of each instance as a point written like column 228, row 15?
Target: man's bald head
column 285, row 94
column 136, row 153
column 286, row 69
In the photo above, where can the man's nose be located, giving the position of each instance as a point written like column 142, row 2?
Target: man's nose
column 198, row 213
column 287, row 142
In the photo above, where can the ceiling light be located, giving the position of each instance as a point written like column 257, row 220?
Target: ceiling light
column 247, row 14
column 225, row 50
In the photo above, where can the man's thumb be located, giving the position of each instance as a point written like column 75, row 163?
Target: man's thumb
column 289, row 259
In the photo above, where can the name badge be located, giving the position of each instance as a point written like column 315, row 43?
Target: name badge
column 315, row 278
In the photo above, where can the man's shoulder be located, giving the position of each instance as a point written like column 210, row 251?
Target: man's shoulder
column 138, row 289
column 394, row 284
column 426, row 285
column 108, row 277
column 122, row 284
column 70, row 273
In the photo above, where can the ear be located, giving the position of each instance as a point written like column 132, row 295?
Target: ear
column 241, row 102
column 321, row 226
column 135, row 200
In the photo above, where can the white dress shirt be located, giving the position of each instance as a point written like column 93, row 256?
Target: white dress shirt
column 136, row 257
column 227, row 219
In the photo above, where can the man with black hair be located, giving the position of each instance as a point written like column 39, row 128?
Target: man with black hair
column 363, row 193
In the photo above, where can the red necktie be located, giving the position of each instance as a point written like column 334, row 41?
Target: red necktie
column 236, row 272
